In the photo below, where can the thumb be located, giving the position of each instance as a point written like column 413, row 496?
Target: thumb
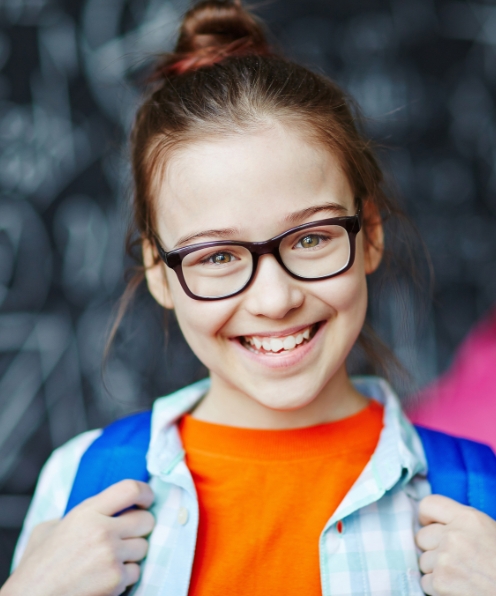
column 438, row 509
column 120, row 496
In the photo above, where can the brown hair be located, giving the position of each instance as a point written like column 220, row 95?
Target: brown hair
column 223, row 79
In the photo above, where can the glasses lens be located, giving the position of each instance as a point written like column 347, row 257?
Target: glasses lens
column 316, row 252
column 217, row 271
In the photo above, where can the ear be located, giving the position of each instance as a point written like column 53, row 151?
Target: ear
column 373, row 237
column 156, row 278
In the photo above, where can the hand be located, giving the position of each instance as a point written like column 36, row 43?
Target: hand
column 88, row 552
column 460, row 549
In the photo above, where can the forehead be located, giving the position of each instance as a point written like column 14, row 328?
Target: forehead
column 249, row 182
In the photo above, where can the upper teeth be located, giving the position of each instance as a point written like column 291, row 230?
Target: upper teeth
column 276, row 344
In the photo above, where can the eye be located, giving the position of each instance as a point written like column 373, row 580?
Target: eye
column 309, row 241
column 220, row 258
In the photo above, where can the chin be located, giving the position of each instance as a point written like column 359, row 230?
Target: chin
column 284, row 396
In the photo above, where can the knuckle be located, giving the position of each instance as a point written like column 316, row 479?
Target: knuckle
column 144, row 548
column 426, row 501
column 451, row 543
column 424, row 505
column 131, row 488
column 107, row 557
column 114, row 577
column 148, row 521
column 471, row 516
column 102, row 535
column 423, row 562
column 420, row 538
column 443, row 563
column 444, row 574
column 133, row 573
column 442, row 583
column 425, row 582
column 438, row 584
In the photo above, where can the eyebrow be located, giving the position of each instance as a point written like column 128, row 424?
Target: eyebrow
column 298, row 216
column 220, row 234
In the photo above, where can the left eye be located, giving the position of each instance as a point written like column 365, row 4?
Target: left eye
column 220, row 258
column 309, row 241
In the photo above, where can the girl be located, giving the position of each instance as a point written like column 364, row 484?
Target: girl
column 258, row 205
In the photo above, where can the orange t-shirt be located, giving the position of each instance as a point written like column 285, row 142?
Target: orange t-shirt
column 265, row 497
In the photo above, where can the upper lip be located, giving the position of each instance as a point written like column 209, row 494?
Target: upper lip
column 280, row 333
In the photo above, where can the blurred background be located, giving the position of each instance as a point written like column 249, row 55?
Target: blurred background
column 424, row 73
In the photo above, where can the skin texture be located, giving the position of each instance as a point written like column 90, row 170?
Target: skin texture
column 88, row 552
column 255, row 185
column 460, row 549
column 252, row 185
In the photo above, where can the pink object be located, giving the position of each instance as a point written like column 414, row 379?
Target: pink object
column 463, row 401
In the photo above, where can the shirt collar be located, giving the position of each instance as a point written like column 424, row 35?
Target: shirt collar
column 165, row 455
column 399, row 455
column 397, row 459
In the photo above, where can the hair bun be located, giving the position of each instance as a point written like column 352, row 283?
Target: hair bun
column 211, row 31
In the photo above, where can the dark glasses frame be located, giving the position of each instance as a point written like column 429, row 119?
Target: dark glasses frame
column 173, row 258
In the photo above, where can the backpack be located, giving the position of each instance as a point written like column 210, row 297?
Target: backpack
column 458, row 468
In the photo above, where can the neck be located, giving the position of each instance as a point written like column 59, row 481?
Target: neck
column 227, row 405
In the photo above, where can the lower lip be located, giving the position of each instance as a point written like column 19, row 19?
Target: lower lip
column 283, row 359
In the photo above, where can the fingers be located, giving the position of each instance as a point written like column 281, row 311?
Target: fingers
column 426, row 583
column 132, row 574
column 134, row 523
column 436, row 508
column 427, row 561
column 133, row 549
column 120, row 496
column 429, row 537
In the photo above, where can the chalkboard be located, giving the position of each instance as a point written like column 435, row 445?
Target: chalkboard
column 424, row 73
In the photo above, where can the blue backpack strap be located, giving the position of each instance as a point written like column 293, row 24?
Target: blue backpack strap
column 119, row 453
column 461, row 469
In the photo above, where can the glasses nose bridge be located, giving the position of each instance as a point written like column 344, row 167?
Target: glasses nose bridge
column 268, row 247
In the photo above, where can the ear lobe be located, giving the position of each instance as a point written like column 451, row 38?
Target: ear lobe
column 155, row 276
column 373, row 238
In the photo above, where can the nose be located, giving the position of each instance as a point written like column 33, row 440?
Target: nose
column 273, row 293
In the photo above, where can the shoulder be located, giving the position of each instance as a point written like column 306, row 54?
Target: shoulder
column 54, row 486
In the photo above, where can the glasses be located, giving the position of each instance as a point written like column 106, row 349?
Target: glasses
column 310, row 252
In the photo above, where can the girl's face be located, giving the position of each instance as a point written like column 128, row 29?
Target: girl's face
column 253, row 187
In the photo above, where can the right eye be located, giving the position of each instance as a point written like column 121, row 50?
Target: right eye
column 218, row 258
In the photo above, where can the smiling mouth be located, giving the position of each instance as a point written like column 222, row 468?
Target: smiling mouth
column 278, row 345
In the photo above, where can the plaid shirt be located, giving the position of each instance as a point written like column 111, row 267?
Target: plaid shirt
column 374, row 552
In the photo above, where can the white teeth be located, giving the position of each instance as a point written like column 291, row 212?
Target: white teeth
column 276, row 344
column 289, row 342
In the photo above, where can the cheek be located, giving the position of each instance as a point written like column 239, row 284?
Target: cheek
column 200, row 321
column 354, row 296
column 346, row 296
column 353, row 299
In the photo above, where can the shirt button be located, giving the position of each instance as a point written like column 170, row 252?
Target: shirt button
column 182, row 516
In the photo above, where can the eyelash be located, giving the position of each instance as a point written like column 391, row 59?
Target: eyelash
column 206, row 260
column 319, row 236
